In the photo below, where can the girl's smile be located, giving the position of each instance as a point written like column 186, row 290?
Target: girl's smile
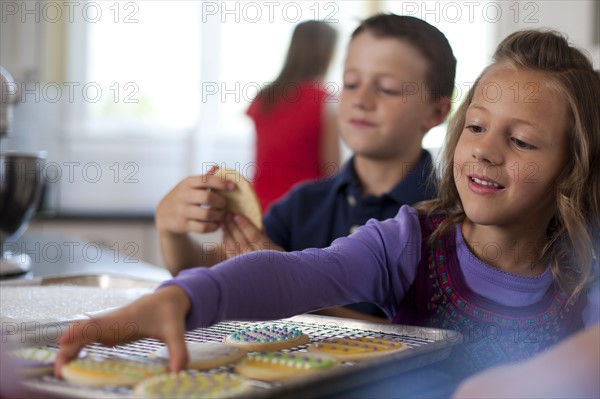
column 483, row 186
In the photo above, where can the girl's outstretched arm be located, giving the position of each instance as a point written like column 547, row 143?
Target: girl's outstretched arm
column 376, row 264
column 160, row 315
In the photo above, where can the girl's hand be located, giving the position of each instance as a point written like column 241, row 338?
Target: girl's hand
column 194, row 205
column 160, row 315
column 241, row 236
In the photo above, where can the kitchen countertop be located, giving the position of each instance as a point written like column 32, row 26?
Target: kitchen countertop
column 102, row 216
column 57, row 255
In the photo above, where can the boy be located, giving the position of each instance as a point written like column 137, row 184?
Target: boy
column 398, row 80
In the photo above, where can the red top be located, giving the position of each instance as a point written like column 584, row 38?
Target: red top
column 288, row 141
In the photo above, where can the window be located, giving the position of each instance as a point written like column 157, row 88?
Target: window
column 125, row 140
column 145, row 57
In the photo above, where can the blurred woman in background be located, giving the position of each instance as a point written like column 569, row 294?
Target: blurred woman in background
column 296, row 132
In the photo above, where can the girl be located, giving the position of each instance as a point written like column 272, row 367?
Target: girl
column 505, row 255
column 296, row 137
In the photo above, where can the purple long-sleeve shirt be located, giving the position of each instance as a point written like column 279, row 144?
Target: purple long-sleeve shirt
column 377, row 264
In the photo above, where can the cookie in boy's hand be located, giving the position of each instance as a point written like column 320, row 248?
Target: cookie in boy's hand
column 109, row 372
column 267, row 338
column 207, row 355
column 192, row 385
column 356, row 349
column 278, row 366
column 243, row 199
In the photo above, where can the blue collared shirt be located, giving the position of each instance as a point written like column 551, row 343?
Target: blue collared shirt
column 314, row 214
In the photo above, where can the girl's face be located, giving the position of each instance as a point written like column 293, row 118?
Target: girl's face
column 384, row 110
column 512, row 148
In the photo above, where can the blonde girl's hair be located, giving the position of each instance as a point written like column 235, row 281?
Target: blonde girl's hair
column 573, row 236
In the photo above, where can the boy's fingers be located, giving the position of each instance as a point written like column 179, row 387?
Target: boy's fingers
column 235, row 232
column 227, row 237
column 230, row 245
column 249, row 230
column 210, row 181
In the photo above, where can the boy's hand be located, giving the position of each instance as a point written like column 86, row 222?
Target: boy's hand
column 241, row 236
column 194, row 205
column 160, row 315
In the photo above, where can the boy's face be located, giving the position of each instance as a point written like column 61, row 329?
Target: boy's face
column 384, row 110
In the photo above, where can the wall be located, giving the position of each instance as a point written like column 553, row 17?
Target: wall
column 578, row 19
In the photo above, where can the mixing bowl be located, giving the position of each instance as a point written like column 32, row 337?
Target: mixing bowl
column 21, row 183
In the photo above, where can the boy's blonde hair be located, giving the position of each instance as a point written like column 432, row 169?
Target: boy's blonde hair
column 574, row 231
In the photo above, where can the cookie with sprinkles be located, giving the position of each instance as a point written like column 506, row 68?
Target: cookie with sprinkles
column 188, row 384
column 34, row 361
column 267, row 338
column 356, row 349
column 110, row 372
column 280, row 366
column 207, row 355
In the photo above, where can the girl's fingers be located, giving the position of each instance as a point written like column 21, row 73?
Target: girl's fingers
column 160, row 315
column 71, row 342
column 178, row 355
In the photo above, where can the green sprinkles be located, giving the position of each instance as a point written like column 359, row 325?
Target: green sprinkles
column 270, row 333
column 296, row 360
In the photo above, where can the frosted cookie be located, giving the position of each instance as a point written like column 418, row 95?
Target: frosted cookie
column 207, row 355
column 33, row 362
column 355, row 349
column 243, row 199
column 109, row 372
column 278, row 366
column 192, row 385
column 267, row 338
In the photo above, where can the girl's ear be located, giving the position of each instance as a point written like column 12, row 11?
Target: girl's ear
column 439, row 110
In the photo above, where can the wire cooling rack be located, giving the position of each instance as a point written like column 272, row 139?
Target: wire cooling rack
column 425, row 346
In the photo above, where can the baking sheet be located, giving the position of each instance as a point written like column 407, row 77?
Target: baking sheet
column 425, row 346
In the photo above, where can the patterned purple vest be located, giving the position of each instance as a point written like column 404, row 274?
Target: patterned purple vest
column 492, row 333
